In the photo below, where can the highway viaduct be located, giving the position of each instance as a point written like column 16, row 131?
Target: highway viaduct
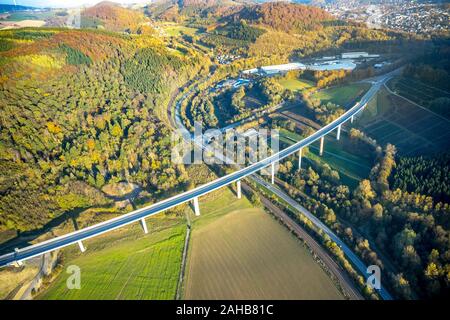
column 20, row 255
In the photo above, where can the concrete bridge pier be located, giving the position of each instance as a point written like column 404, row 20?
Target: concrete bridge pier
column 321, row 145
column 144, row 225
column 17, row 263
column 352, row 118
column 273, row 172
column 300, row 158
column 82, row 248
column 338, row 136
column 196, row 207
column 238, row 187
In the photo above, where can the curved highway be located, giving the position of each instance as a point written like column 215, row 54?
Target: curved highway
column 135, row 216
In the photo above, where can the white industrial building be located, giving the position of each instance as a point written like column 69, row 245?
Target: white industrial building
column 358, row 55
column 280, row 68
column 348, row 61
column 333, row 65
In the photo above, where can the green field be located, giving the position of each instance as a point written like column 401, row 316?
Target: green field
column 175, row 30
column 296, row 84
column 240, row 252
column 353, row 166
column 342, row 95
column 412, row 129
column 126, row 264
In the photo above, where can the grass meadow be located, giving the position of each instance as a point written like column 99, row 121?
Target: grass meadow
column 296, row 84
column 126, row 264
column 342, row 95
column 175, row 30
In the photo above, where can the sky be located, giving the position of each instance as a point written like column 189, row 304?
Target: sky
column 63, row 3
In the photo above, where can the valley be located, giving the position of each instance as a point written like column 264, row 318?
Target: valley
column 88, row 114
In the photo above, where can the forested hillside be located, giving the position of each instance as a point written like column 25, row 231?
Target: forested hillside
column 79, row 109
column 284, row 16
column 434, row 67
column 424, row 175
column 200, row 11
column 112, row 17
column 279, row 31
